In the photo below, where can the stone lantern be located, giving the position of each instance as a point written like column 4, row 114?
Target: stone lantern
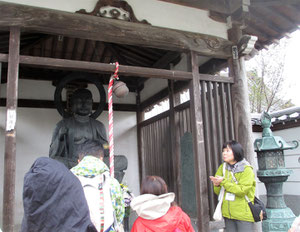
column 273, row 174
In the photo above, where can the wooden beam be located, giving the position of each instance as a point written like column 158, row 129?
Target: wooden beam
column 166, row 59
column 36, row 74
column 280, row 16
column 30, row 103
column 10, row 131
column 110, row 68
column 258, row 18
column 198, row 146
column 134, row 56
column 260, row 33
column 214, row 5
column 48, row 104
column 37, row 41
column 117, row 55
column 154, row 99
column 108, row 30
column 155, row 118
column 132, row 59
column 84, row 51
column 265, row 3
column 178, row 86
column 53, row 46
column 64, row 47
column 148, row 53
column 75, row 48
column 98, row 51
column 49, row 75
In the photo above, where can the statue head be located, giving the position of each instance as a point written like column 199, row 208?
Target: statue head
column 82, row 102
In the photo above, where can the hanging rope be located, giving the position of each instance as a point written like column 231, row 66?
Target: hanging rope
column 111, row 121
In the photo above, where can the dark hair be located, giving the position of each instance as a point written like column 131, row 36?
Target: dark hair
column 236, row 148
column 91, row 147
column 154, row 185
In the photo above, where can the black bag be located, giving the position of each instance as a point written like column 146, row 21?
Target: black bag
column 258, row 210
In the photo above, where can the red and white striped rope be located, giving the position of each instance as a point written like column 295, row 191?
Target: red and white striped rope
column 111, row 120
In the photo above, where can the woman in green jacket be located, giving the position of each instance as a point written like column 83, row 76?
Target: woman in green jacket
column 235, row 209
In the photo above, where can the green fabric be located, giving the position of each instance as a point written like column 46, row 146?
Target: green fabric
column 91, row 166
column 237, row 209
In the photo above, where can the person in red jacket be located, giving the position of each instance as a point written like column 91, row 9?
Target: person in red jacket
column 157, row 210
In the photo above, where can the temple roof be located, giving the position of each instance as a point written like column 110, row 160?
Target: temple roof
column 281, row 119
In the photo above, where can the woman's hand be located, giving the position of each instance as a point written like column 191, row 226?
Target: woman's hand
column 216, row 180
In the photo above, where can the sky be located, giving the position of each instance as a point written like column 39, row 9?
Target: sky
column 292, row 65
column 291, row 85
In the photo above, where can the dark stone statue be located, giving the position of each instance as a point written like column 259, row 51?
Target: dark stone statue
column 72, row 131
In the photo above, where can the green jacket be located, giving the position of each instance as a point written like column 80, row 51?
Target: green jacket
column 91, row 166
column 237, row 209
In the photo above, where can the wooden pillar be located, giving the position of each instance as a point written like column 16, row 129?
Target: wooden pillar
column 0, row 76
column 174, row 142
column 240, row 98
column 139, row 119
column 0, row 71
column 198, row 145
column 10, row 132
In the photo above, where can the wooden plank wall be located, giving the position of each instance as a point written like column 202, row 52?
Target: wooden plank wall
column 218, row 128
column 156, row 149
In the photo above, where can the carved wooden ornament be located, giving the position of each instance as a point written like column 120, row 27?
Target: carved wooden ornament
column 115, row 9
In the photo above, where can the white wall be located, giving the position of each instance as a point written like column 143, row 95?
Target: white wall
column 158, row 13
column 292, row 161
column 34, row 132
column 153, row 86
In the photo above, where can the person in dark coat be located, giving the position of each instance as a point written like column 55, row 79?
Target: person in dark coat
column 54, row 200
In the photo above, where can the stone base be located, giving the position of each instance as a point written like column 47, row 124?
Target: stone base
column 279, row 220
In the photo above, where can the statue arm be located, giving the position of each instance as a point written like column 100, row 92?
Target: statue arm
column 101, row 135
column 101, row 132
column 56, row 147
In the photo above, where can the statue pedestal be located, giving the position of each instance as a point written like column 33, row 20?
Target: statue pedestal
column 280, row 217
column 121, row 164
column 279, row 220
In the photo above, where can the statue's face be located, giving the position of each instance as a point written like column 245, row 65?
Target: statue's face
column 82, row 105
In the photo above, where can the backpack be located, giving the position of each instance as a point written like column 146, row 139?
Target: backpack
column 98, row 197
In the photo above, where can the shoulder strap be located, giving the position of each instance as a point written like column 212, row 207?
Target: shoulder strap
column 100, row 187
column 224, row 167
column 116, row 225
column 234, row 179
